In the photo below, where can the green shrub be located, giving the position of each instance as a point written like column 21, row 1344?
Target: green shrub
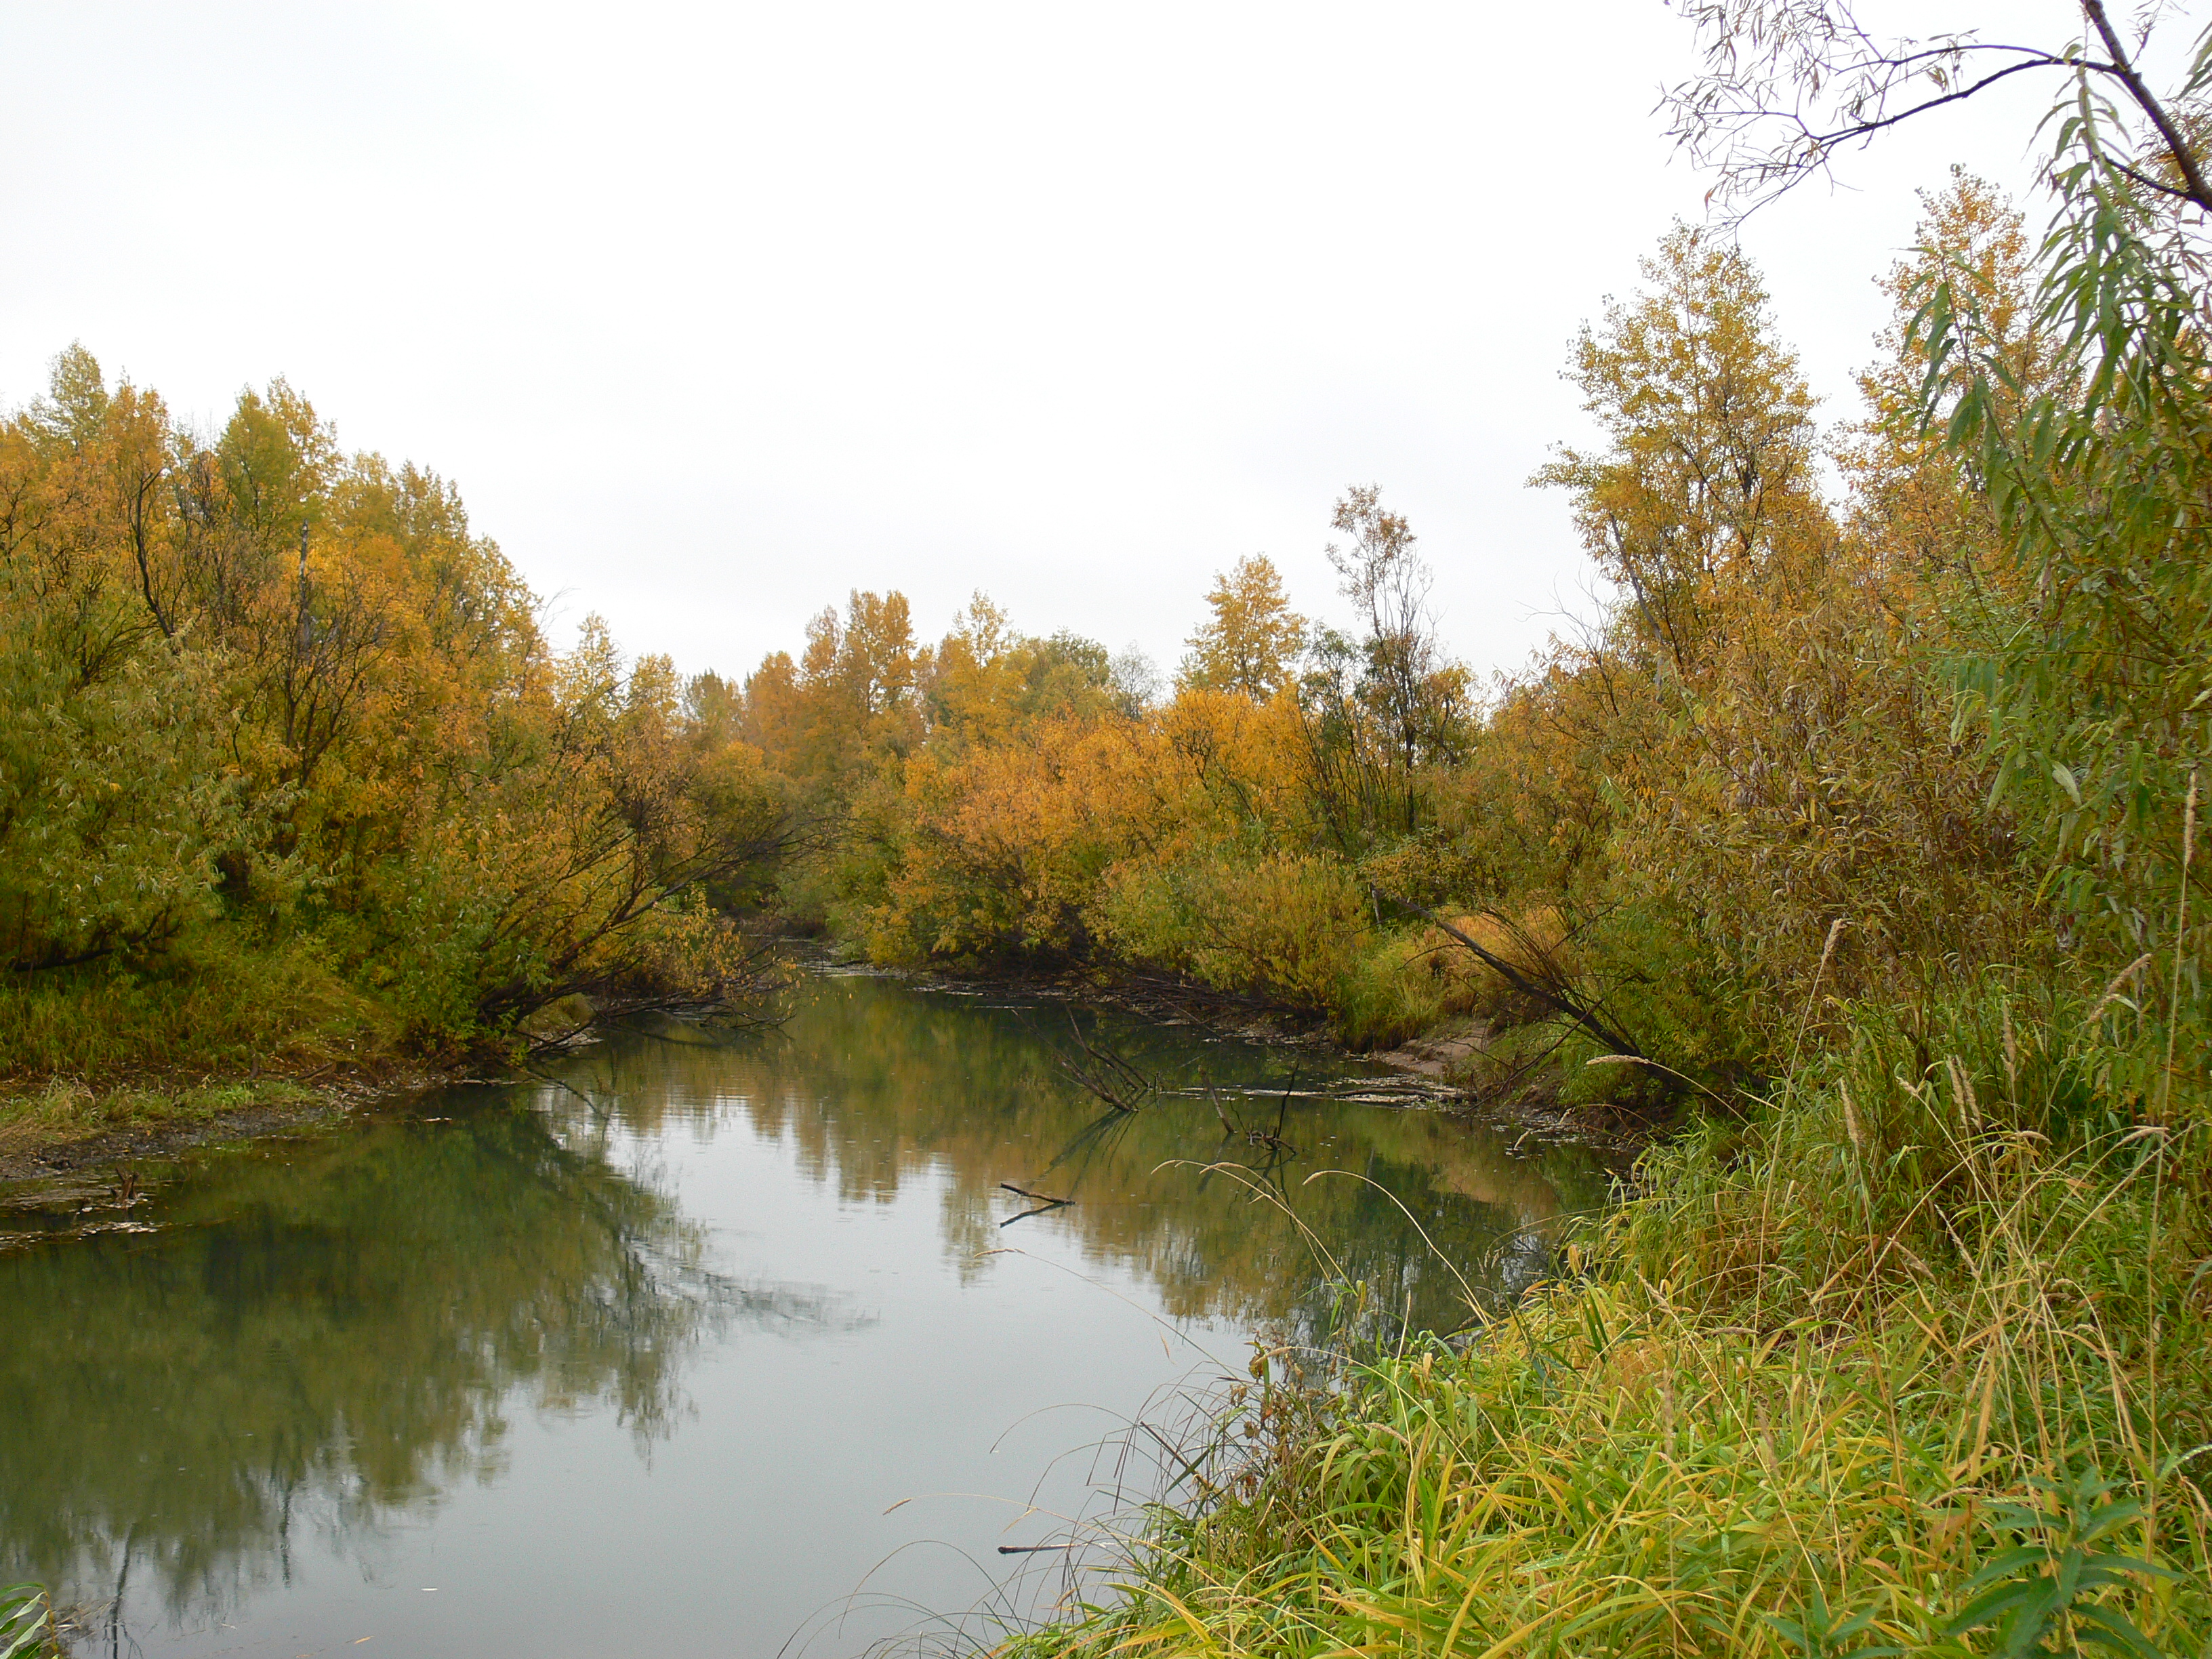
column 1287, row 926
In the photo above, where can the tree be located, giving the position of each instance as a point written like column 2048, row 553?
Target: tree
column 1916, row 499
column 1250, row 642
column 858, row 679
column 1709, row 466
column 262, row 702
column 1382, row 707
column 1788, row 82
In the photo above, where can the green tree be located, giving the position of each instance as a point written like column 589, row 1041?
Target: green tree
column 1381, row 709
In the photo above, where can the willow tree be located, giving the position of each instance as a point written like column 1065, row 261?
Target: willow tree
column 1788, row 85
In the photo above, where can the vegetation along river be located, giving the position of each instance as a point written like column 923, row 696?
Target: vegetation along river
column 702, row 1344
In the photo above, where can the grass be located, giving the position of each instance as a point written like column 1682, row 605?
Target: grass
column 107, row 1049
column 1883, row 1371
column 229, row 1008
column 62, row 1111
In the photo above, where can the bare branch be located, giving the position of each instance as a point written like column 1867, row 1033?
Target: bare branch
column 2176, row 145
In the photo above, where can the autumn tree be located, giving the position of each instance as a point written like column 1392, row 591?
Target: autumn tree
column 1708, row 469
column 858, row 678
column 1250, row 644
column 268, row 707
column 1385, row 704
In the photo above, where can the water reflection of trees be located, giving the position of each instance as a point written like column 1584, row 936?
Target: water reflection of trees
column 320, row 1334
column 873, row 1083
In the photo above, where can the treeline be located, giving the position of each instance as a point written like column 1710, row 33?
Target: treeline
column 286, row 761
column 1818, row 748
column 284, row 751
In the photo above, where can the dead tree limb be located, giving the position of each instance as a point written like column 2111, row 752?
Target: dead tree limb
column 1551, row 995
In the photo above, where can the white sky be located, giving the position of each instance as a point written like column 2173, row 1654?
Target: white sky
column 716, row 312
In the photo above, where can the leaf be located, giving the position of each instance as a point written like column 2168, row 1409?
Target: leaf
column 2109, row 1628
column 1989, row 1609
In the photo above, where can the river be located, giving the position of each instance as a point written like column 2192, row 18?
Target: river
column 705, row 1344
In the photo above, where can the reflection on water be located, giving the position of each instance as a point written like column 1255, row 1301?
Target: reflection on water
column 693, row 1312
column 307, row 1342
column 925, row 1084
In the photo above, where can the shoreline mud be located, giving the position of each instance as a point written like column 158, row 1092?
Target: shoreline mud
column 163, row 1119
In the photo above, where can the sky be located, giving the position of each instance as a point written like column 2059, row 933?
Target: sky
column 717, row 312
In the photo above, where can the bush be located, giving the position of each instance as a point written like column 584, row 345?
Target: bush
column 213, row 1006
column 1286, row 926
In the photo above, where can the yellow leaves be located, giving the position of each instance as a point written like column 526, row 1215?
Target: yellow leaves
column 290, row 672
column 1250, row 643
column 1289, row 926
column 1709, row 467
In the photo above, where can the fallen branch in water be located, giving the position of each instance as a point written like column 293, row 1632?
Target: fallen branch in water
column 1114, row 1079
column 1043, row 1203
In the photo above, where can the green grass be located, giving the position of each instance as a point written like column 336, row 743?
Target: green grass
column 107, row 1048
column 1885, row 1370
column 224, row 1009
column 62, row 1110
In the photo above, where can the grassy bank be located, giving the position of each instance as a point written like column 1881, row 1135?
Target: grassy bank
column 61, row 1119
column 107, row 1059
column 1908, row 1363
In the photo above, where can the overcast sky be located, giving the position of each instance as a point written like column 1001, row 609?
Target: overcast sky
column 716, row 312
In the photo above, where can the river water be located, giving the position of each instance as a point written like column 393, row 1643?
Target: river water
column 704, row 1344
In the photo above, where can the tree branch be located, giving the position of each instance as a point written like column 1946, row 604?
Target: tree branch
column 1552, row 996
column 2199, row 191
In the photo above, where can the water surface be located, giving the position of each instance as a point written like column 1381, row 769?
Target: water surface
column 700, row 1345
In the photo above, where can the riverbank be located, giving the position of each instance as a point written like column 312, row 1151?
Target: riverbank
column 1434, row 1062
column 64, row 1125
column 1880, row 1368
column 56, row 1124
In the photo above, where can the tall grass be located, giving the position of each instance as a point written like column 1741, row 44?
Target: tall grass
column 26, row 1622
column 224, row 1008
column 1911, row 1362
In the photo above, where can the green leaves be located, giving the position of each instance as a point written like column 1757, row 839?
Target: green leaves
column 2025, row 1592
column 26, row 1620
column 1819, row 1632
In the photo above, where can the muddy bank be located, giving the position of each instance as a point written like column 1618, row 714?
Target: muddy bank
column 55, row 1130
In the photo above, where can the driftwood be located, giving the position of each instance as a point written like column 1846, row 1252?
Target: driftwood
column 1271, row 1138
column 1043, row 1201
